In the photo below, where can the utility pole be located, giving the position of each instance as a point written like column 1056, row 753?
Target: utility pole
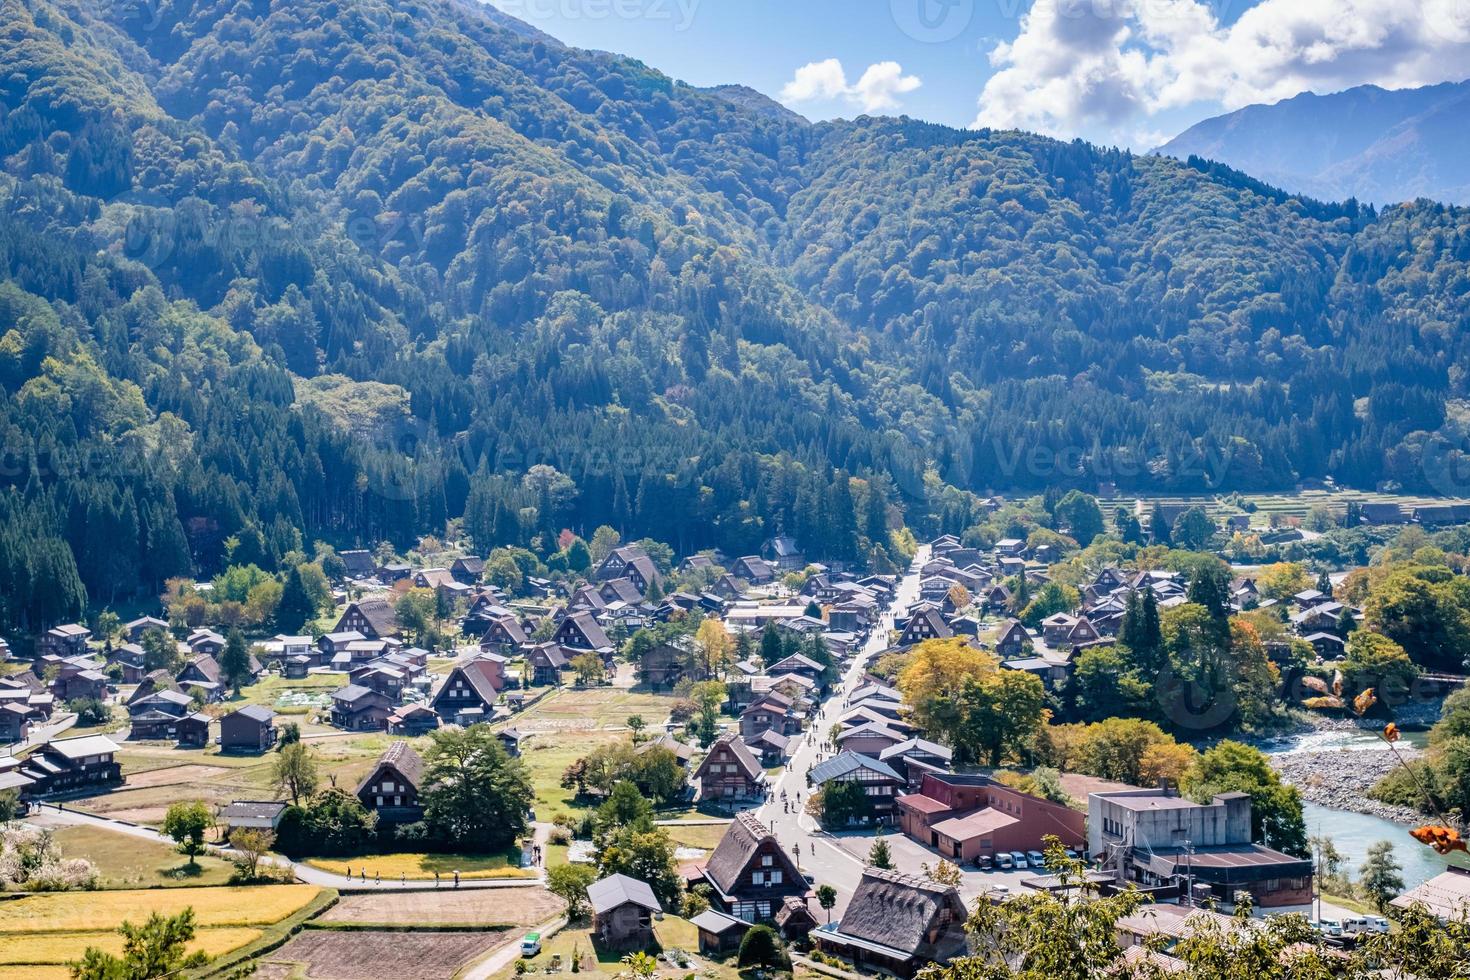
column 1189, row 870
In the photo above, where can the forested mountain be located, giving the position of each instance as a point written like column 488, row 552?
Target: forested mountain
column 1369, row 143
column 347, row 269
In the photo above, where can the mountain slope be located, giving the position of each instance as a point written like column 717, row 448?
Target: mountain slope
column 347, row 270
column 1376, row 145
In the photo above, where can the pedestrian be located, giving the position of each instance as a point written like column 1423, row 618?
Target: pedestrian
column 436, row 879
column 377, row 878
column 456, row 877
column 403, row 878
column 349, row 871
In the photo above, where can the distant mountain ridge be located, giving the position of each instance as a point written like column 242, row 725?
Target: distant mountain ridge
column 1379, row 146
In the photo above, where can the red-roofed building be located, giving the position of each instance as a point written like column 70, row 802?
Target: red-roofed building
column 965, row 817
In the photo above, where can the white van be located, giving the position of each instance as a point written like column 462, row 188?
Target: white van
column 1019, row 860
column 531, row 944
column 1003, row 861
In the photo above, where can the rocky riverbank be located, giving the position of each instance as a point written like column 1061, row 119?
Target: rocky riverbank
column 1341, row 778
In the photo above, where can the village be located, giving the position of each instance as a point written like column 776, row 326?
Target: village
column 753, row 702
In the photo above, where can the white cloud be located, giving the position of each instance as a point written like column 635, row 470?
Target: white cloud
column 877, row 90
column 816, row 80
column 1103, row 67
column 881, row 85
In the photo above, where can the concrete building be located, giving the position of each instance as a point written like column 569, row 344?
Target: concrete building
column 1156, row 837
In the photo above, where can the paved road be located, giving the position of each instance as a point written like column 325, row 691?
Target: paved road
column 48, row 815
column 821, row 855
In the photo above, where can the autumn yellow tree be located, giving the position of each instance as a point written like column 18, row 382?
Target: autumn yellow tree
column 713, row 647
column 941, row 667
column 1283, row 579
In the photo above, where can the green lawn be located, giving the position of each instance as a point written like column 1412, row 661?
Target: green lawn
column 124, row 861
column 706, row 836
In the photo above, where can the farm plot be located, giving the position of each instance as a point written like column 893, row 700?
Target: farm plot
column 156, row 775
column 125, row 861
column 90, row 911
column 43, row 932
column 475, row 906
column 583, row 709
column 366, row 955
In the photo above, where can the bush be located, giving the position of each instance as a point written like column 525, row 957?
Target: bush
column 762, row 947
column 90, row 711
column 560, row 836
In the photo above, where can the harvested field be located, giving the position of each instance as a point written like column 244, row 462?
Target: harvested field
column 475, row 906
column 173, row 776
column 356, row 955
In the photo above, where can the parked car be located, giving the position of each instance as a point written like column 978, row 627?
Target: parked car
column 1329, row 927
column 985, row 862
column 531, row 945
column 1071, row 854
column 1004, row 862
column 1037, row 859
column 1019, row 860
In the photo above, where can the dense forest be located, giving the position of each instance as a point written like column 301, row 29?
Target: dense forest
column 347, row 270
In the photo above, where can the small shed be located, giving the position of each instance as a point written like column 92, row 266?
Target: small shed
column 248, row 729
column 192, row 731
column 622, row 911
column 253, row 814
column 719, row 933
column 795, row 919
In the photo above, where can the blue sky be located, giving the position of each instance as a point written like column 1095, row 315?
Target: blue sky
column 1132, row 72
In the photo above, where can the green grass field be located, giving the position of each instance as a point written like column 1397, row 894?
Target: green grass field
column 125, row 861
column 702, row 835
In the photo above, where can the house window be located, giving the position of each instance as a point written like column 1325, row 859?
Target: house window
column 758, row 878
column 775, row 877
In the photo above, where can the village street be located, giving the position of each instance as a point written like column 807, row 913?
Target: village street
column 818, row 853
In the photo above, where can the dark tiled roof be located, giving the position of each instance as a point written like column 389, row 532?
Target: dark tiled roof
column 255, row 712
column 618, row 890
column 845, row 764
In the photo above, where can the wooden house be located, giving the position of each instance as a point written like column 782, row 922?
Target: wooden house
column 750, row 873
column 359, row 709
column 622, row 912
column 730, row 773
column 898, row 923
column 470, row 691
column 391, row 790
column 251, row 728
column 375, row 619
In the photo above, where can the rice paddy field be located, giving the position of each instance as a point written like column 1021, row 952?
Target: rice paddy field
column 39, row 934
column 1263, row 506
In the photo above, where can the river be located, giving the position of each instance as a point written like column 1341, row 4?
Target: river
column 1352, row 833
